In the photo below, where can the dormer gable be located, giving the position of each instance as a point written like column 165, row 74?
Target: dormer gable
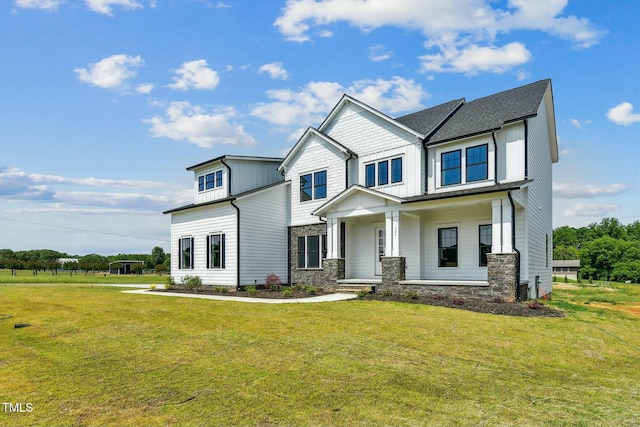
column 307, row 136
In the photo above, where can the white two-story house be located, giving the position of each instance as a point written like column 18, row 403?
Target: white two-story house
column 453, row 199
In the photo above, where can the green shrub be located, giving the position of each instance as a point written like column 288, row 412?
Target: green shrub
column 386, row 293
column 287, row 292
column 363, row 293
column 192, row 282
column 170, row 283
column 311, row 290
column 251, row 290
column 220, row 289
column 411, row 295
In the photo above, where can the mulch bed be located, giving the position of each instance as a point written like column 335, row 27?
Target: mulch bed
column 522, row 309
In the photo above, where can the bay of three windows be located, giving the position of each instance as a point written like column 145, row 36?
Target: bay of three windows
column 210, row 181
column 476, row 165
column 383, row 172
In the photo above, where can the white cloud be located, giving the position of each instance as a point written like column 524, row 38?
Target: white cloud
column 463, row 31
column 275, row 70
column 196, row 75
column 144, row 88
column 311, row 103
column 576, row 191
column 378, row 53
column 104, row 6
column 590, row 209
column 39, row 4
column 186, row 122
column 623, row 114
column 111, row 72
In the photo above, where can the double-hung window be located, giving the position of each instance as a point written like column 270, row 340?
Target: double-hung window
column 383, row 172
column 313, row 186
column 311, row 251
column 451, row 168
column 484, row 243
column 215, row 250
column 448, row 247
column 477, row 163
column 185, row 251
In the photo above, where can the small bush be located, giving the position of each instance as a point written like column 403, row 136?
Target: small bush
column 273, row 282
column 311, row 290
column 535, row 305
column 252, row 290
column 458, row 301
column 287, row 292
column 363, row 293
column 411, row 295
column 220, row 289
column 386, row 293
column 170, row 283
column 298, row 288
column 192, row 282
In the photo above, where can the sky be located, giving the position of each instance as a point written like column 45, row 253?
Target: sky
column 105, row 103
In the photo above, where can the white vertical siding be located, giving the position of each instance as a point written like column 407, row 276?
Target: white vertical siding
column 264, row 217
column 199, row 223
column 249, row 174
column 539, row 201
column 214, row 193
column 511, row 153
column 316, row 155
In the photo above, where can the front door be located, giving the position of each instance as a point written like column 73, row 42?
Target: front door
column 381, row 245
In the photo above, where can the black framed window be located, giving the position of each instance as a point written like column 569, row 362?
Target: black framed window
column 209, row 181
column 320, row 185
column 216, row 250
column 477, row 164
column 370, row 175
column 448, row 247
column 383, row 172
column 311, row 251
column 396, row 170
column 484, row 242
column 185, row 253
column 305, row 188
column 201, row 183
column 219, row 179
column 451, row 168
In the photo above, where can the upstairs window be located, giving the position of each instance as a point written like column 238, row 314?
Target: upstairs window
column 210, row 181
column 451, row 168
column 383, row 172
column 313, row 186
column 477, row 164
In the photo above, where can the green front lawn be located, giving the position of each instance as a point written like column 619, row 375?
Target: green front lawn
column 97, row 356
column 64, row 277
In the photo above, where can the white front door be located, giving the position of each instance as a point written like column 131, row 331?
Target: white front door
column 380, row 247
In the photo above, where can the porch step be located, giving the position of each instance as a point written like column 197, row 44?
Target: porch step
column 357, row 285
column 354, row 289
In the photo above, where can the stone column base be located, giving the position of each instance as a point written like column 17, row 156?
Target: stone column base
column 393, row 270
column 334, row 269
column 501, row 275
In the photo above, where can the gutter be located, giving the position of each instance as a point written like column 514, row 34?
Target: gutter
column 228, row 176
column 233, row 203
column 346, row 170
column 495, row 157
column 513, row 245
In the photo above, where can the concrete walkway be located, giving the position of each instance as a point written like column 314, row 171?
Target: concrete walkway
column 318, row 298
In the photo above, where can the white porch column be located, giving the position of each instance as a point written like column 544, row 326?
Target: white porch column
column 333, row 238
column 501, row 226
column 392, row 229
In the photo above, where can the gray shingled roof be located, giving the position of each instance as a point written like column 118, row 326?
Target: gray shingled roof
column 491, row 112
column 425, row 121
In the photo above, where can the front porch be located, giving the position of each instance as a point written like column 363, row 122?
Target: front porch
column 460, row 248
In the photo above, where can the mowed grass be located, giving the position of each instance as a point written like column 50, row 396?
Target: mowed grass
column 64, row 277
column 97, row 356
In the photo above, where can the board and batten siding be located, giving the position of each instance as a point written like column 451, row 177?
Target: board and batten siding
column 373, row 138
column 199, row 223
column 249, row 174
column 212, row 194
column 264, row 217
column 317, row 155
column 539, row 199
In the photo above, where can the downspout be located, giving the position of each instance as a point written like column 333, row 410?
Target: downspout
column 426, row 166
column 513, row 244
column 346, row 171
column 526, row 149
column 237, row 243
column 495, row 157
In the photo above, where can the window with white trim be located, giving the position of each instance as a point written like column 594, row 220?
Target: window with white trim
column 185, row 253
column 311, row 251
column 215, row 250
column 383, row 172
column 484, row 243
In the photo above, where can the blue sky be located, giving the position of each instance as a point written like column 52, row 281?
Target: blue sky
column 104, row 103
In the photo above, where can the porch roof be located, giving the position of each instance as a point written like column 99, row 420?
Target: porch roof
column 469, row 192
column 354, row 189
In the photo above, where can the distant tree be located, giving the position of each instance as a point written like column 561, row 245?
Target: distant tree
column 627, row 270
column 71, row 267
column 137, row 268
column 161, row 268
column 157, row 257
column 93, row 263
column 633, row 231
column 35, row 265
column 15, row 265
column 52, row 265
column 566, row 252
column 565, row 236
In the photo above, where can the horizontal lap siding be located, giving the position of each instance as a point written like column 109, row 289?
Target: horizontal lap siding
column 199, row 223
column 539, row 202
column 263, row 229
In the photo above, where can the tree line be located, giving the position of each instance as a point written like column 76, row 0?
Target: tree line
column 38, row 260
column 608, row 250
